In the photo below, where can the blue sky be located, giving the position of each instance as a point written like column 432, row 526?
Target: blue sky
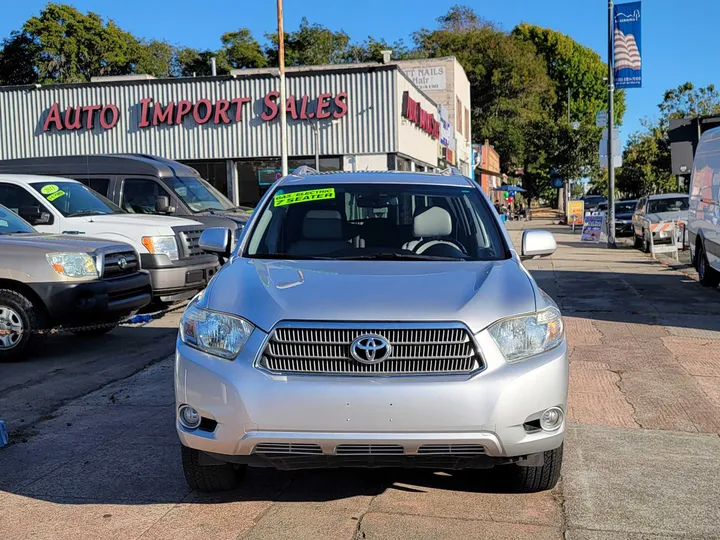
column 676, row 47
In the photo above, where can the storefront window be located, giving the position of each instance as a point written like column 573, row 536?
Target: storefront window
column 256, row 176
column 214, row 172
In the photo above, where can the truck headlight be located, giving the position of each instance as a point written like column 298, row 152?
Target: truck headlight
column 72, row 264
column 528, row 335
column 158, row 245
column 215, row 333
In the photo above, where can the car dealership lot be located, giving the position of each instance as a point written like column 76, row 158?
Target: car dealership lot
column 101, row 459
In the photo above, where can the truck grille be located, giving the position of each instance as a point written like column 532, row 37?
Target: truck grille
column 120, row 264
column 190, row 241
column 420, row 350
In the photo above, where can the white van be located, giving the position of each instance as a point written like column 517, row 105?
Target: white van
column 169, row 247
column 704, row 214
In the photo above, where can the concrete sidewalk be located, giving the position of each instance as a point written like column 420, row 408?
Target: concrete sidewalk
column 642, row 455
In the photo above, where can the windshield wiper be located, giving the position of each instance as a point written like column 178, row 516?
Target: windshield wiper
column 391, row 256
column 86, row 213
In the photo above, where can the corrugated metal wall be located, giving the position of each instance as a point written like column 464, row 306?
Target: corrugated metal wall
column 369, row 126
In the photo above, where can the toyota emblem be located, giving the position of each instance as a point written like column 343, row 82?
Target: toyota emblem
column 370, row 349
column 122, row 263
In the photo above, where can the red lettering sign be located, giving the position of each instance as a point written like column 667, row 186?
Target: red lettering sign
column 425, row 120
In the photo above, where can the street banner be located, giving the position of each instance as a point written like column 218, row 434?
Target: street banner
column 628, row 48
column 576, row 211
column 592, row 227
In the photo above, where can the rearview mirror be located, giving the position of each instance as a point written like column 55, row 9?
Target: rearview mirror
column 162, row 205
column 216, row 240
column 537, row 243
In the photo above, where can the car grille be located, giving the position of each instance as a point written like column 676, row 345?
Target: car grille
column 369, row 449
column 415, row 351
column 451, row 450
column 190, row 242
column 112, row 266
column 287, row 448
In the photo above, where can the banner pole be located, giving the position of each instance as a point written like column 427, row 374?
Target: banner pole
column 611, row 124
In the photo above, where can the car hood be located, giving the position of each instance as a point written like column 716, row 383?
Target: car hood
column 266, row 292
column 60, row 242
column 668, row 216
column 142, row 220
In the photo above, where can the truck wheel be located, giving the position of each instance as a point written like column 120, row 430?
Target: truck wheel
column 18, row 319
column 210, row 478
column 516, row 479
column 707, row 276
column 96, row 331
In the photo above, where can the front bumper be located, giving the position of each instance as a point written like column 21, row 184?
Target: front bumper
column 101, row 299
column 245, row 406
column 181, row 279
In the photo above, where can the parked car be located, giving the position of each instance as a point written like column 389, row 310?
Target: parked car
column 653, row 209
column 142, row 184
column 373, row 319
column 704, row 212
column 68, row 280
column 592, row 202
column 168, row 246
column 624, row 211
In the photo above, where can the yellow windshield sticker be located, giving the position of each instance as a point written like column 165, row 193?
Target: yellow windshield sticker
column 304, row 196
column 55, row 195
column 49, row 189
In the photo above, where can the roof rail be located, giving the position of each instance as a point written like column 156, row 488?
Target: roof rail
column 451, row 171
column 304, row 170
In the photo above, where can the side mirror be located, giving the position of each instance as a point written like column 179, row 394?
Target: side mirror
column 34, row 216
column 537, row 243
column 216, row 240
column 162, row 205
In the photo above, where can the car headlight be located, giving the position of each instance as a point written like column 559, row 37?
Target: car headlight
column 72, row 264
column 528, row 335
column 214, row 333
column 161, row 245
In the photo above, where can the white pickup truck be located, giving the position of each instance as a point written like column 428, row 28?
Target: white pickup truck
column 168, row 246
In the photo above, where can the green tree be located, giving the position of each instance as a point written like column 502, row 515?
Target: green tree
column 73, row 47
column 309, row 45
column 18, row 57
column 371, row 49
column 241, row 50
column 509, row 83
column 155, row 58
column 190, row 62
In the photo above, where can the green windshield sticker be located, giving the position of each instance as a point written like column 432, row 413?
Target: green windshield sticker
column 55, row 195
column 305, row 196
column 49, row 189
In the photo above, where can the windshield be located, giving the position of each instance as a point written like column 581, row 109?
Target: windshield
column 377, row 221
column 671, row 204
column 11, row 224
column 73, row 199
column 625, row 207
column 199, row 195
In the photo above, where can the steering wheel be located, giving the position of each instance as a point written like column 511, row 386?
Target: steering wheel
column 424, row 245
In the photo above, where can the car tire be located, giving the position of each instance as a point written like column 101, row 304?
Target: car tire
column 707, row 276
column 96, row 331
column 210, row 478
column 517, row 479
column 18, row 311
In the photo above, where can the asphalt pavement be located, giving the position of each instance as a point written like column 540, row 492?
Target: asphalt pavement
column 94, row 453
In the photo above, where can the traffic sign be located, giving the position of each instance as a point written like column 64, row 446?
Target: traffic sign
column 601, row 119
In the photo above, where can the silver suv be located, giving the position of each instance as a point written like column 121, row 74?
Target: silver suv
column 372, row 320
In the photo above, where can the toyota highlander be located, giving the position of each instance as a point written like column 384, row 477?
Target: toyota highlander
column 372, row 320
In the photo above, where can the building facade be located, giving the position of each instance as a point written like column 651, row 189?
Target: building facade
column 353, row 117
column 487, row 171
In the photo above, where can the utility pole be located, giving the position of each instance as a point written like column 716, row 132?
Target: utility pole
column 283, row 99
column 611, row 125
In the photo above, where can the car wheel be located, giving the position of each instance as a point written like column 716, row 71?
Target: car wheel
column 18, row 320
column 707, row 276
column 210, row 478
column 517, row 479
column 96, row 331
